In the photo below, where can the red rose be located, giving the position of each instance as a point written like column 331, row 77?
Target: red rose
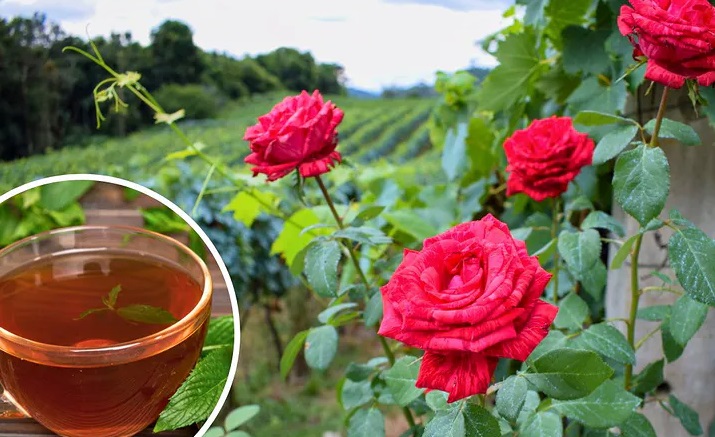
column 299, row 132
column 676, row 36
column 543, row 158
column 469, row 297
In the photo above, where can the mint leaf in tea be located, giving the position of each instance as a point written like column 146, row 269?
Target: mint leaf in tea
column 64, row 300
column 132, row 313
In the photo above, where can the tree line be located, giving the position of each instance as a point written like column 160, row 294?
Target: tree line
column 46, row 95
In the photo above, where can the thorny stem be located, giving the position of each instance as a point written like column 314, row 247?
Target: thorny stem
column 554, row 232
column 635, row 288
column 659, row 117
column 388, row 352
column 635, row 296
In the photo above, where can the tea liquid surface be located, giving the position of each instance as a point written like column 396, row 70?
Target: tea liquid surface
column 45, row 301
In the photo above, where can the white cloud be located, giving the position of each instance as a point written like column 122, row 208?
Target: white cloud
column 378, row 43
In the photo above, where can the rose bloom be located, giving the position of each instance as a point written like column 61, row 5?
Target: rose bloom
column 543, row 158
column 468, row 298
column 676, row 36
column 298, row 133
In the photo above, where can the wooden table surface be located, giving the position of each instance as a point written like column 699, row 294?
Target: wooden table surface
column 105, row 205
column 30, row 428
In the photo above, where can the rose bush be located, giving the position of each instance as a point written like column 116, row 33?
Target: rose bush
column 676, row 37
column 298, row 132
column 543, row 158
column 468, row 298
column 467, row 289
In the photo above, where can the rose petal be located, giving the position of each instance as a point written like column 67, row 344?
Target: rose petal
column 536, row 328
column 457, row 373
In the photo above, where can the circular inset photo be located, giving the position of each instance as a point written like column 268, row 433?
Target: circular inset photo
column 117, row 314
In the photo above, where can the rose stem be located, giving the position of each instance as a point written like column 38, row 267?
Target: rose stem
column 554, row 232
column 356, row 263
column 142, row 94
column 635, row 287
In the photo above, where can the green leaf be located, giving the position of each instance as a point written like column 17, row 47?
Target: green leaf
column 291, row 351
column 541, row 424
column 601, row 220
column 114, row 294
column 454, row 153
column 237, row 434
column 8, row 225
column 584, row 50
column 563, row 13
column 623, row 252
column 360, row 372
column 685, row 134
column 511, row 396
column 688, row 417
column 609, row 342
column 554, row 340
column 580, row 250
column 401, row 379
column 481, row 152
column 509, row 81
column 654, row 313
column 641, row 182
column 321, row 267
column 671, row 349
column 215, row 431
column 686, row 318
column 594, row 281
column 364, row 235
column 367, row 423
column 248, row 205
column 199, row 394
column 594, row 118
column 369, row 212
column 591, row 95
column 329, row 312
column 91, row 311
column 692, row 256
column 220, row 332
column 292, row 239
column 608, row 405
column 649, row 378
column 163, row 220
column 613, row 143
column 240, row 415
column 321, row 346
column 436, row 400
column 355, row 393
column 535, row 12
column 59, row 195
column 637, row 426
column 573, row 312
column 410, row 223
column 568, row 373
column 146, row 314
column 446, row 423
column 373, row 310
column 478, row 422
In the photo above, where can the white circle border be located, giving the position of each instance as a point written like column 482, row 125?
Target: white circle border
column 187, row 218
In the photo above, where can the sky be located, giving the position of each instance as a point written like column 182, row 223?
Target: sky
column 381, row 43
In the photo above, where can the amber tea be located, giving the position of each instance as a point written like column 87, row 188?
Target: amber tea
column 85, row 300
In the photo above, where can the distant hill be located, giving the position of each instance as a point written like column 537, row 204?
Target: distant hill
column 362, row 94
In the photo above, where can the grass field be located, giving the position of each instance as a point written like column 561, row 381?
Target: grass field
column 393, row 129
